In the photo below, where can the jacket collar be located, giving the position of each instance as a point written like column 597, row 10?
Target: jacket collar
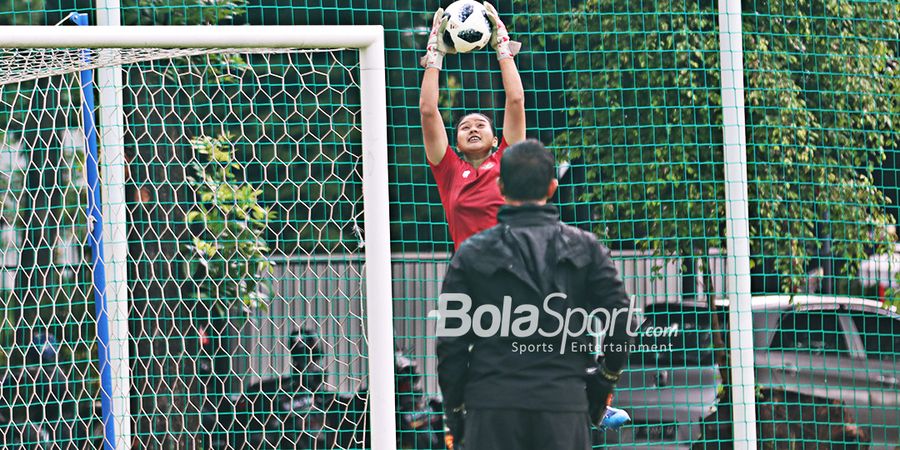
column 528, row 215
column 497, row 255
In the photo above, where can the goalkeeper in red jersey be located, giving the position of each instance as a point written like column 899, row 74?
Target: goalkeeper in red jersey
column 467, row 182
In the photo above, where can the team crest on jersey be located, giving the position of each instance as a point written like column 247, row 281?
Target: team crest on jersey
column 466, row 173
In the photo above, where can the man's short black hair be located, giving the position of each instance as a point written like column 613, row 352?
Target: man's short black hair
column 526, row 170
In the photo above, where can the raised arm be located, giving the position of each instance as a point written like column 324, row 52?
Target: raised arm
column 434, row 133
column 514, row 115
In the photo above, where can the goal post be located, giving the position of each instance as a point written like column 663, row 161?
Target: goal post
column 374, row 244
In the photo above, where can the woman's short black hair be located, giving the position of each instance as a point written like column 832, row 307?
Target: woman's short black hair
column 460, row 119
column 526, row 170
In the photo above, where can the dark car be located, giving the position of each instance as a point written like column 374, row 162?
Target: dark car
column 671, row 381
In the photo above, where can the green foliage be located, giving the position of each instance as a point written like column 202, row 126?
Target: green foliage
column 646, row 111
column 190, row 12
column 645, row 115
column 17, row 12
column 819, row 125
column 227, row 223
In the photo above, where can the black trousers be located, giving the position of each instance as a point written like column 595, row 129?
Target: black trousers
column 516, row 429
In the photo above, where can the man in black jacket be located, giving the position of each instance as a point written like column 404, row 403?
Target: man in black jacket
column 521, row 306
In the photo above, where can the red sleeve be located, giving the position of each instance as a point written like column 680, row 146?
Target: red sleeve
column 443, row 169
column 502, row 146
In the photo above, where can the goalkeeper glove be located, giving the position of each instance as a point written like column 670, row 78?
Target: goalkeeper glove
column 436, row 48
column 600, row 386
column 454, row 429
column 614, row 418
column 500, row 36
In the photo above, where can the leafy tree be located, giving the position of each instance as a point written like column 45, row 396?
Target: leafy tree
column 227, row 260
column 646, row 112
column 135, row 12
column 192, row 12
column 228, row 251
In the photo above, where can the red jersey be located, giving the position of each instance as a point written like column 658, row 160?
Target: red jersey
column 470, row 196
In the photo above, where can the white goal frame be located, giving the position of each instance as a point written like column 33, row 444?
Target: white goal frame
column 369, row 40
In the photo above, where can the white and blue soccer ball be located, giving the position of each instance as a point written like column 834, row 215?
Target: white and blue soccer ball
column 468, row 27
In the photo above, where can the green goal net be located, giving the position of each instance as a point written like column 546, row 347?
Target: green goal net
column 628, row 95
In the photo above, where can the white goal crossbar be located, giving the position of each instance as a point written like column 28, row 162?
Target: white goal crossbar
column 363, row 37
column 369, row 41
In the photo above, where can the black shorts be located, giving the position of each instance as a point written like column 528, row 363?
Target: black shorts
column 516, row 429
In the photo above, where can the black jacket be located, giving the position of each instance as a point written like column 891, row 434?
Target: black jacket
column 527, row 257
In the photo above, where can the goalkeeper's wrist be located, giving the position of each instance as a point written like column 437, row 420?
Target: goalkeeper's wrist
column 507, row 48
column 433, row 59
column 503, row 51
column 611, row 376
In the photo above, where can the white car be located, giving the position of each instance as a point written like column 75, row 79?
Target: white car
column 838, row 348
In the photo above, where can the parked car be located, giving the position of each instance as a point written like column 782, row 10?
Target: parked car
column 671, row 381
column 837, row 348
column 826, row 348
